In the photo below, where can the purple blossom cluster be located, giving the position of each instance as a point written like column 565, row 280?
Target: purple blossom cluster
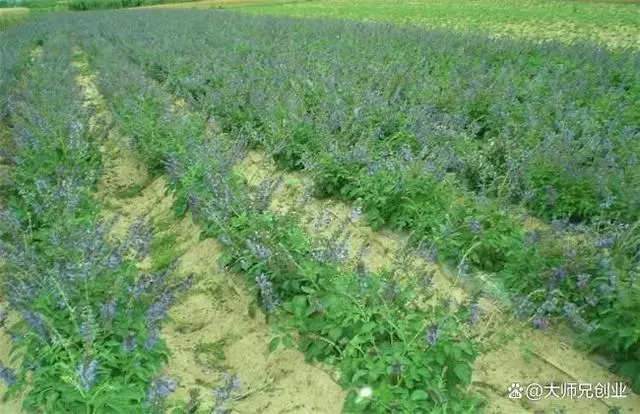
column 432, row 334
column 159, row 389
column 265, row 192
column 7, row 375
column 258, row 250
column 164, row 297
column 270, row 299
column 224, row 394
column 87, row 372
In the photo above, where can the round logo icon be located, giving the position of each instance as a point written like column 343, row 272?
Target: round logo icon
column 534, row 392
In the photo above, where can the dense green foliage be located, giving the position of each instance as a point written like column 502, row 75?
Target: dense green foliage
column 445, row 138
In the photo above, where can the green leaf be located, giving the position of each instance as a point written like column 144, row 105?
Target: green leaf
column 299, row 305
column 307, row 290
column 273, row 345
column 463, row 372
column 335, row 333
column 419, row 395
column 287, row 340
column 359, row 374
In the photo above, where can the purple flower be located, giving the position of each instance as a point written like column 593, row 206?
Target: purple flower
column 432, row 334
column 265, row 191
column 397, row 368
column 87, row 331
column 572, row 313
column 606, row 242
column 608, row 202
column 139, row 238
column 558, row 275
column 258, row 250
column 113, row 261
column 523, row 307
column 36, row 323
column 430, row 254
column 559, row 225
column 582, row 280
column 541, row 323
column 159, row 390
column 7, row 375
column 474, row 226
column 356, row 213
column 406, row 154
column 226, row 240
column 605, row 263
column 550, row 305
column 172, row 168
column 224, row 393
column 194, row 204
column 569, row 309
column 605, row 289
column 158, row 309
column 269, row 298
column 152, row 338
column 475, row 313
column 108, row 309
column 339, row 253
column 463, row 269
column 128, row 343
column 87, row 372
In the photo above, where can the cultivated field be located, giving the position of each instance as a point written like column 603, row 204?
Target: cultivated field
column 613, row 23
column 224, row 211
column 9, row 17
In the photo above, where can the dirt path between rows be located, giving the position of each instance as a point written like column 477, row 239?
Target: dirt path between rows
column 210, row 331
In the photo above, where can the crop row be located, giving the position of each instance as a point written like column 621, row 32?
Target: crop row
column 439, row 134
column 548, row 125
column 86, row 335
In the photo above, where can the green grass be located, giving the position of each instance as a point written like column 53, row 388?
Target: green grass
column 164, row 251
column 9, row 17
column 613, row 24
column 33, row 4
